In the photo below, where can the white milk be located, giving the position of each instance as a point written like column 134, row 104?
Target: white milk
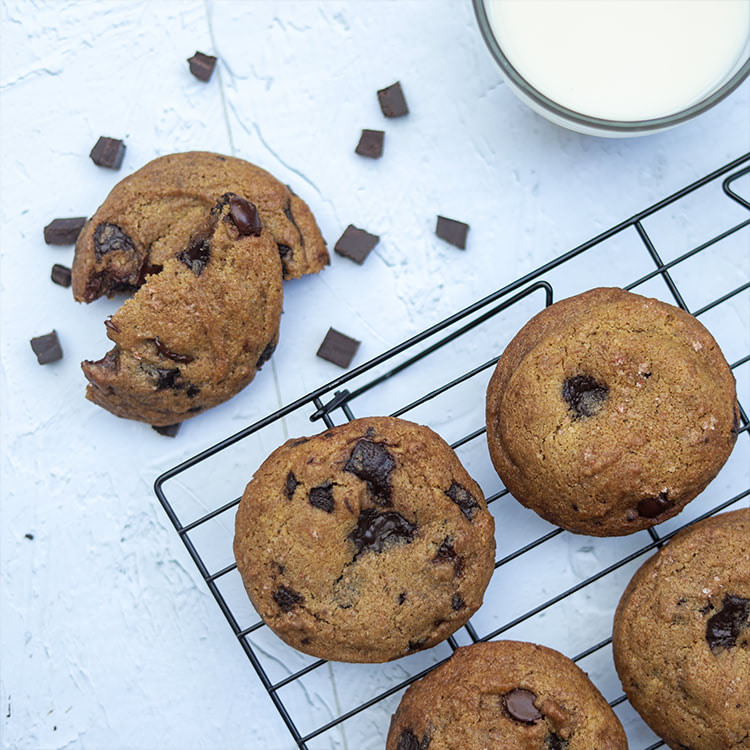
column 623, row 59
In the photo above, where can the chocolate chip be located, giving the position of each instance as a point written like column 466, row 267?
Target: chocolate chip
column 464, row 499
column 555, row 742
column 416, row 645
column 148, row 269
column 458, row 566
column 184, row 358
column 356, row 244
column 371, row 144
column 402, row 597
column 245, row 217
column 192, row 391
column 60, row 275
column 202, row 66
column 47, row 348
column 407, row 740
column 291, row 485
column 63, row 231
column 392, row 101
column 265, row 355
column 164, row 377
column 736, row 421
column 287, row 598
column 301, row 441
column 108, row 152
column 29, row 536
column 285, row 252
column 457, row 602
column 584, row 395
column 169, row 430
column 110, row 361
column 445, row 552
column 519, row 703
column 372, row 463
column 452, row 231
column 651, row 507
column 338, row 348
column 110, row 238
column 374, row 530
column 196, row 255
column 289, row 215
column 723, row 628
column 322, row 497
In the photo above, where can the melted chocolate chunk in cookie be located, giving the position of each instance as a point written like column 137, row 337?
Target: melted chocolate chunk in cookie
column 245, row 217
column 166, row 352
column 723, row 629
column 445, row 552
column 196, row 255
column 584, row 395
column 464, row 499
column 163, row 377
column 322, row 496
column 374, row 530
column 109, row 238
column 373, row 463
column 457, row 602
column 407, row 740
column 651, row 507
column 265, row 355
column 555, row 742
column 287, row 598
column 519, row 703
column 290, row 216
column 290, row 485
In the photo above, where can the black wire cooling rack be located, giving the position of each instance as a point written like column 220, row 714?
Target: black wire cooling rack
column 550, row 586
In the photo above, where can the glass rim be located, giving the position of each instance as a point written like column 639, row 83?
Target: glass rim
column 571, row 115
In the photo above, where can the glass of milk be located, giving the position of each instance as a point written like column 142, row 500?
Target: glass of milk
column 619, row 67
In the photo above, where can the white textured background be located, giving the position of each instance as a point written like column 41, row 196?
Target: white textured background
column 109, row 637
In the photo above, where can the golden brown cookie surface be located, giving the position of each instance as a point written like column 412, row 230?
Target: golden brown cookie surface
column 196, row 332
column 609, row 411
column 151, row 215
column 505, row 695
column 681, row 636
column 366, row 542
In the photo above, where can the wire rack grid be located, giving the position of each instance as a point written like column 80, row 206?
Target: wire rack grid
column 550, row 586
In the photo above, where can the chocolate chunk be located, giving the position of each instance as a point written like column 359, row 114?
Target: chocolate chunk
column 375, row 529
column 245, row 217
column 47, row 348
column 322, row 497
column 202, row 66
column 723, row 628
column 110, row 238
column 338, row 348
column 163, row 377
column 60, row 275
column 356, row 244
column 407, row 740
column 289, row 215
column 452, row 231
column 108, row 152
column 651, row 507
column 291, row 485
column 163, row 350
column 392, row 101
column 445, row 552
column 192, row 391
column 64, row 231
column 148, row 269
column 402, row 597
column 519, row 703
column 110, row 361
column 29, row 536
column 265, row 355
column 371, row 144
column 169, row 430
column 416, row 645
column 287, row 598
column 372, row 463
column 196, row 255
column 464, row 499
column 457, row 602
column 555, row 742
column 285, row 253
column 584, row 395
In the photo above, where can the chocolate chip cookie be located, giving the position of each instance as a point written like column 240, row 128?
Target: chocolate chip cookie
column 505, row 695
column 608, row 412
column 682, row 636
column 366, row 542
column 196, row 332
column 152, row 215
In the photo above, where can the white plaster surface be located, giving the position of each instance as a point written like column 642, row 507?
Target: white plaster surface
column 109, row 636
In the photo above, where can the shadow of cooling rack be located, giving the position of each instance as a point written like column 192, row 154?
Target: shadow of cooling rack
column 550, row 586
